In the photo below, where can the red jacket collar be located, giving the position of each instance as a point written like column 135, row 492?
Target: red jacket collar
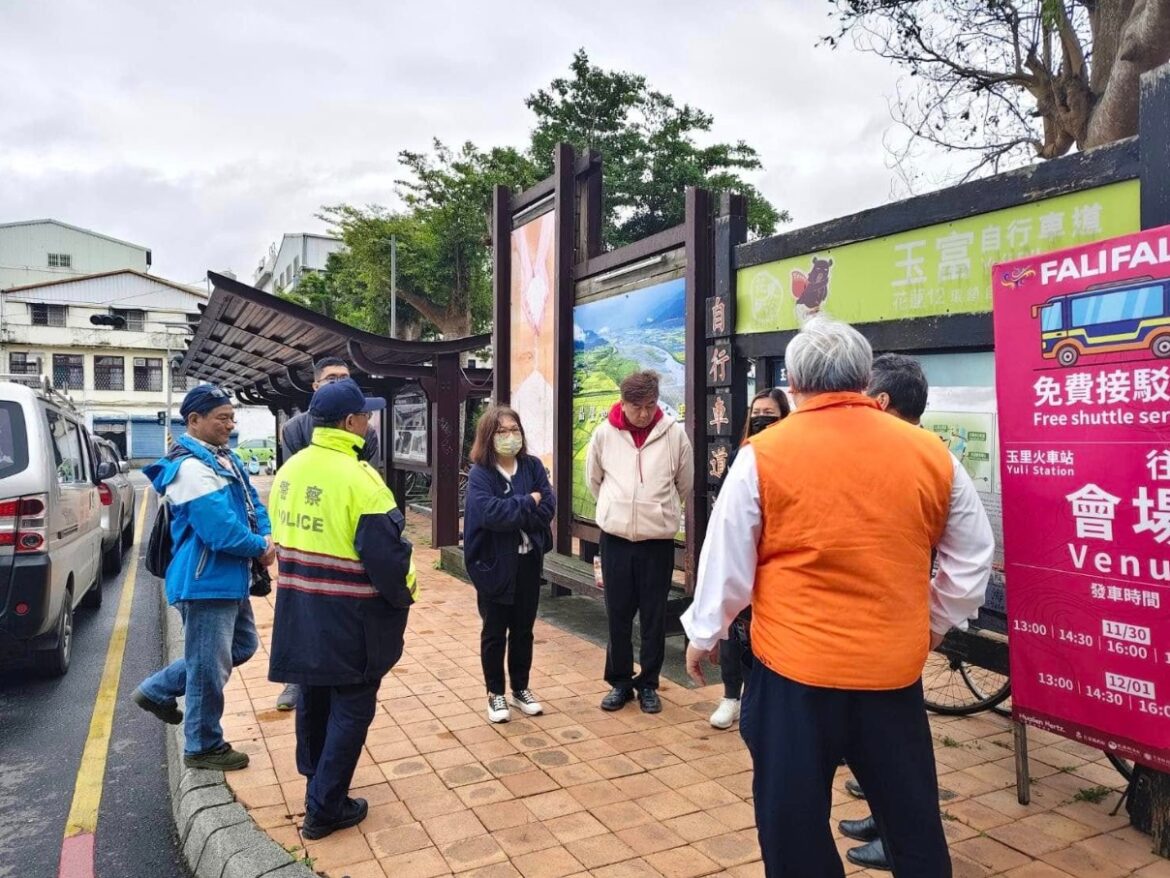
column 639, row 434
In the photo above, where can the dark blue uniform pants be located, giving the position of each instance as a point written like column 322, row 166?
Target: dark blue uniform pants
column 797, row 736
column 332, row 722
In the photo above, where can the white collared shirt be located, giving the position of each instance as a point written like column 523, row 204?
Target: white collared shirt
column 727, row 564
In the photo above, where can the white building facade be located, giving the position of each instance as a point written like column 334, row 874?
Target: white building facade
column 287, row 261
column 37, row 251
column 118, row 376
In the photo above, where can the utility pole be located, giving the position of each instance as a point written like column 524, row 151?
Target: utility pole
column 169, row 373
column 393, row 286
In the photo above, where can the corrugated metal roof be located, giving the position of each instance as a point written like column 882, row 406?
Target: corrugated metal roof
column 132, row 288
column 53, row 222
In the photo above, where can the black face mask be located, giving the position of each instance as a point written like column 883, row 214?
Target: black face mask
column 761, row 422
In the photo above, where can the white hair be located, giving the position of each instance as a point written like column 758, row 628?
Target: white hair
column 826, row 356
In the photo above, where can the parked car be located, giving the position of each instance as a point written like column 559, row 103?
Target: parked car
column 50, row 523
column 117, row 496
column 261, row 450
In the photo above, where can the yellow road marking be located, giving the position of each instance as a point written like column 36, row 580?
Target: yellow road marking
column 87, row 793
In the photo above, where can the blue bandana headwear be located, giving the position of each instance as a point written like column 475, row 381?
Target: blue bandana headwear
column 202, row 399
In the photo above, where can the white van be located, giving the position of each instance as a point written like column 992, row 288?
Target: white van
column 50, row 522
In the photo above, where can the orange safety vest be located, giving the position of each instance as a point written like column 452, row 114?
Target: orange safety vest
column 853, row 502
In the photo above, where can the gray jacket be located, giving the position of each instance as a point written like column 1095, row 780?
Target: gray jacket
column 298, row 433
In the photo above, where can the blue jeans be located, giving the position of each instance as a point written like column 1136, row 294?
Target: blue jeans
column 218, row 635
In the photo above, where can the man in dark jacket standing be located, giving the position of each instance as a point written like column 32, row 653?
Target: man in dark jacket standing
column 296, row 435
column 298, row 430
column 346, row 583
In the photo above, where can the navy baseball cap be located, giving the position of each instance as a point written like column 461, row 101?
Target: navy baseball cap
column 203, row 398
column 334, row 402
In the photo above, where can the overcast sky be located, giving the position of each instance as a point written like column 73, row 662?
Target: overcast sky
column 206, row 130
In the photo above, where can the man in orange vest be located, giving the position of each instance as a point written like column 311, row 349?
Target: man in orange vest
column 825, row 525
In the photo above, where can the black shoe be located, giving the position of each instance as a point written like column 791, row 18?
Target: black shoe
column 222, row 758
column 870, row 856
column 859, row 830
column 650, row 701
column 353, row 812
column 617, row 698
column 168, row 713
column 854, row 789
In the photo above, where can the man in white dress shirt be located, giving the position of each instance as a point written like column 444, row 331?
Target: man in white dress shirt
column 826, row 525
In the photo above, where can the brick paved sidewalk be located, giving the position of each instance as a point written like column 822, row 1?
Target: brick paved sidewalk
column 582, row 792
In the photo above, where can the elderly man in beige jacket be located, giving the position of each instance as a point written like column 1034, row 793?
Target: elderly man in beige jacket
column 639, row 466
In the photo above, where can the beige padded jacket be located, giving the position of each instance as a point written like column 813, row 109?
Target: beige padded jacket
column 638, row 490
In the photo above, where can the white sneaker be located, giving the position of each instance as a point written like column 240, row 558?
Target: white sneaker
column 527, row 703
column 726, row 713
column 498, row 711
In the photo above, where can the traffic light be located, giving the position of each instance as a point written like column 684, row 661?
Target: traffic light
column 162, row 419
column 111, row 319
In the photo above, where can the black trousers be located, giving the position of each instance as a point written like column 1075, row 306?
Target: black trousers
column 798, row 734
column 731, row 667
column 637, row 582
column 332, row 722
column 508, row 627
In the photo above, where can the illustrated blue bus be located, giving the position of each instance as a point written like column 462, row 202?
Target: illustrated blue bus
column 1129, row 316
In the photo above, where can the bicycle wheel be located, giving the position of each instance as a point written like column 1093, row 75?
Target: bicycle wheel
column 947, row 690
column 1124, row 766
column 989, row 686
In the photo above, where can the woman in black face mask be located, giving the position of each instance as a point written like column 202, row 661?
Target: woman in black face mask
column 768, row 407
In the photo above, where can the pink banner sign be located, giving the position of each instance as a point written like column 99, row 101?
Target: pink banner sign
column 1082, row 357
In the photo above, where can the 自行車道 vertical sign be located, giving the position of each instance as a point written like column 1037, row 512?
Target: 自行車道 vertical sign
column 720, row 376
column 1082, row 350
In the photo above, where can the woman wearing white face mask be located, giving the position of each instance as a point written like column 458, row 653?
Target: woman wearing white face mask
column 506, row 532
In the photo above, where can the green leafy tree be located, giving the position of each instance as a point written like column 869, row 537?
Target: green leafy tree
column 647, row 142
column 443, row 233
column 444, row 280
column 448, row 196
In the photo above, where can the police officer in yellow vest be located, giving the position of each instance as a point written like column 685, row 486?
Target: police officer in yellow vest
column 346, row 582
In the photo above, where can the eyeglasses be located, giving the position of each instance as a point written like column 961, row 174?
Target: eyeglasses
column 509, row 431
column 332, row 379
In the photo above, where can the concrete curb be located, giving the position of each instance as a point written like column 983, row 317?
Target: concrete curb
column 217, row 837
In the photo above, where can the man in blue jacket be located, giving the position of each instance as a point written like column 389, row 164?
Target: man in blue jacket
column 218, row 526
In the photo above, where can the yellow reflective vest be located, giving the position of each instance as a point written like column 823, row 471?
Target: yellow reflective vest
column 346, row 575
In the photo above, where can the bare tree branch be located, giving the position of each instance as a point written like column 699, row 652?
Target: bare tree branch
column 1012, row 80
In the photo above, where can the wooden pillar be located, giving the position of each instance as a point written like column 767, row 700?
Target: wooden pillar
column 698, row 289
column 564, row 204
column 1154, row 143
column 502, row 293
column 443, row 394
column 730, row 232
column 589, row 243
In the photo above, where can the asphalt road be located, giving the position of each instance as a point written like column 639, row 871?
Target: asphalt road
column 43, row 728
